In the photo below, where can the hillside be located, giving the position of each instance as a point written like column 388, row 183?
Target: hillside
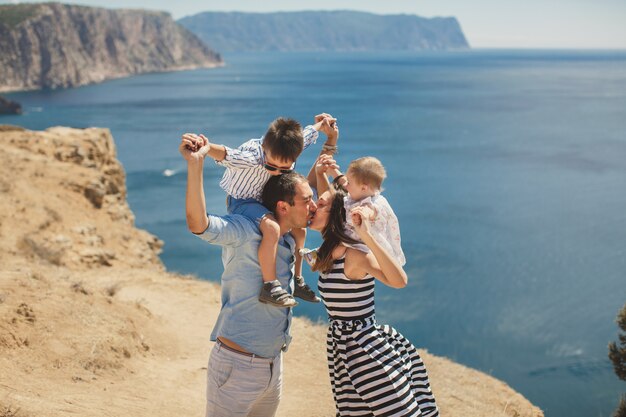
column 324, row 31
column 52, row 45
column 91, row 324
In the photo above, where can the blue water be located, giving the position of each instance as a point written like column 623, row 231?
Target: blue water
column 506, row 169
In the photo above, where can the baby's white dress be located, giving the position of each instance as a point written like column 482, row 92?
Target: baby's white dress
column 385, row 227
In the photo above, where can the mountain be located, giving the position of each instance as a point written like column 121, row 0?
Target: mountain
column 52, row 45
column 324, row 30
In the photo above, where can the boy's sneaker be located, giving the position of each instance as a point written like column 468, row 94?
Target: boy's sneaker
column 302, row 290
column 272, row 293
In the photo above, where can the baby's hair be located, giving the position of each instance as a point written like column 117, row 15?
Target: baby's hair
column 368, row 170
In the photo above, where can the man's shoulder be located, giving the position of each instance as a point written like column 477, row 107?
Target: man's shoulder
column 236, row 219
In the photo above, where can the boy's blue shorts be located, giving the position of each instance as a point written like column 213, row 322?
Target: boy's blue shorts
column 248, row 207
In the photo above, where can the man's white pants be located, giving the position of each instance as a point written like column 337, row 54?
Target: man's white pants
column 242, row 386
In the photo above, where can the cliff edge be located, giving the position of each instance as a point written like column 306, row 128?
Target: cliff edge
column 91, row 324
column 53, row 45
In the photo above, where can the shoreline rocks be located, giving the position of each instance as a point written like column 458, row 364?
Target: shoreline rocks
column 9, row 107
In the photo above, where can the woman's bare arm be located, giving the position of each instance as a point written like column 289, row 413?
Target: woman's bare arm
column 378, row 263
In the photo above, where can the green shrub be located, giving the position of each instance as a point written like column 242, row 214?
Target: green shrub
column 621, row 408
column 14, row 14
column 617, row 354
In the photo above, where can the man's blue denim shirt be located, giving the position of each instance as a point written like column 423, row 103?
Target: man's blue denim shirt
column 259, row 328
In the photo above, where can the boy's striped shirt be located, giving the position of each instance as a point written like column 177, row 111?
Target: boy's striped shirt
column 245, row 175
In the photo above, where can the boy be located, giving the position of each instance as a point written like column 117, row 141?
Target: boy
column 247, row 170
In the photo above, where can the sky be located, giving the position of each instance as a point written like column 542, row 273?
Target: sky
column 580, row 24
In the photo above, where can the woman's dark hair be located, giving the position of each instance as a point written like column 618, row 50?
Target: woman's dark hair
column 333, row 233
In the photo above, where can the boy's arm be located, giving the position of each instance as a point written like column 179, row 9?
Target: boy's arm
column 247, row 155
column 310, row 134
column 215, row 151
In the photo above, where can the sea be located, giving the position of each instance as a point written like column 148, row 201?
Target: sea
column 506, row 169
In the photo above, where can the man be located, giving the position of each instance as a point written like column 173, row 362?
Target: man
column 245, row 366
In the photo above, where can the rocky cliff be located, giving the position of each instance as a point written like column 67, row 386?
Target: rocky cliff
column 325, row 31
column 67, row 207
column 52, row 45
column 9, row 107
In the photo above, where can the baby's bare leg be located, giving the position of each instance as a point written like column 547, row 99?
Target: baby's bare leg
column 301, row 289
column 299, row 235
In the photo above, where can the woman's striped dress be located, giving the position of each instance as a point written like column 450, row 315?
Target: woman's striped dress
column 374, row 370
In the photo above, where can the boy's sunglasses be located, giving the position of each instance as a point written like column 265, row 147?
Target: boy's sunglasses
column 281, row 170
column 273, row 168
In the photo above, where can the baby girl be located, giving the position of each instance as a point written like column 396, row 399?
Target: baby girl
column 363, row 181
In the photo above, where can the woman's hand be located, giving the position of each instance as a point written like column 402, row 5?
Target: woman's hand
column 331, row 129
column 362, row 217
column 379, row 262
column 327, row 124
column 194, row 147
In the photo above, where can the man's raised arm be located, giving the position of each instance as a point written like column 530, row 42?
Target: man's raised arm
column 195, row 203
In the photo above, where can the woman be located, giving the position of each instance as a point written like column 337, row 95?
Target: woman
column 374, row 370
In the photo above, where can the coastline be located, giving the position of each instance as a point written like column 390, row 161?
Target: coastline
column 109, row 77
column 91, row 323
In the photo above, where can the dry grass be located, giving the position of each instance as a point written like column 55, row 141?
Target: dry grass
column 112, row 289
column 9, row 411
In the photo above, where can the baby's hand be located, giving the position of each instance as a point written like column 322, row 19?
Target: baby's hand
column 361, row 219
column 324, row 163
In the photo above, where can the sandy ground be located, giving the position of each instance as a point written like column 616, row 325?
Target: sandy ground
column 92, row 325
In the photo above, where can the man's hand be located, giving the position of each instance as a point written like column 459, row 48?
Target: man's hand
column 194, row 147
